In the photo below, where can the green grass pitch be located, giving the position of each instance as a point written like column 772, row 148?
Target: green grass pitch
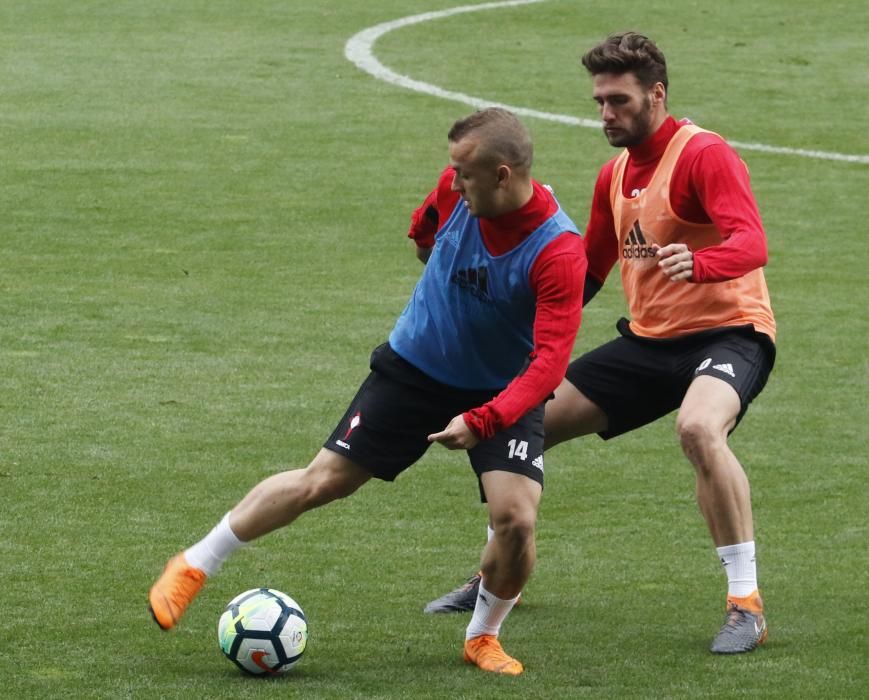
column 203, row 210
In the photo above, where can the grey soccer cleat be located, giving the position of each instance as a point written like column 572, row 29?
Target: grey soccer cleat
column 463, row 599
column 744, row 627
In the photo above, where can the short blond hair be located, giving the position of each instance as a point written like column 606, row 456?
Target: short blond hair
column 502, row 137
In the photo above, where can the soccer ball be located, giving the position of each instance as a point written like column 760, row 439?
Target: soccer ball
column 263, row 631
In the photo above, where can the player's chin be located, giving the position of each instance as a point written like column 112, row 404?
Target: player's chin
column 614, row 136
column 620, row 138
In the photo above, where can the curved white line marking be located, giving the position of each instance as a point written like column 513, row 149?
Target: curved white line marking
column 358, row 50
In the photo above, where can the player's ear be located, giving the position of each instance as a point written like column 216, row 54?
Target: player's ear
column 504, row 173
column 659, row 93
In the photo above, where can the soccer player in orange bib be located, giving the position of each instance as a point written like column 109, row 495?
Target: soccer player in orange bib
column 676, row 211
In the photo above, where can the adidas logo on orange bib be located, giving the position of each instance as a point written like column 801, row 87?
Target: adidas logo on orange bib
column 637, row 249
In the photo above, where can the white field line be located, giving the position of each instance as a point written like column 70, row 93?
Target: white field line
column 359, row 50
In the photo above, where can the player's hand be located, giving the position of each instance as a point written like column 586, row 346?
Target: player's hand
column 675, row 260
column 456, row 436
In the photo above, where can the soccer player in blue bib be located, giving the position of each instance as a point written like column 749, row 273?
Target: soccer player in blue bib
column 483, row 342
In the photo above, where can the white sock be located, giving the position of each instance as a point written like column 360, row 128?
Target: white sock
column 489, row 613
column 213, row 549
column 738, row 561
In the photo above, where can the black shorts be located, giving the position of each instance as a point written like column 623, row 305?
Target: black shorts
column 386, row 427
column 637, row 380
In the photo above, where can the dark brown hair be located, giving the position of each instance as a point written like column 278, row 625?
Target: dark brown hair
column 628, row 52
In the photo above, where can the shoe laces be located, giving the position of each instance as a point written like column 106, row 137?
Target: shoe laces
column 735, row 615
column 470, row 583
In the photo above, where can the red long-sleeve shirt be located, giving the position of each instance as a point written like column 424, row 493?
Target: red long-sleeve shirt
column 710, row 184
column 557, row 278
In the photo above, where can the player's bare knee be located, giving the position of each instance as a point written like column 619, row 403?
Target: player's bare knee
column 325, row 486
column 328, row 478
column 515, row 527
column 698, row 439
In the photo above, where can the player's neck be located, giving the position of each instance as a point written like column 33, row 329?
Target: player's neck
column 653, row 146
column 520, row 195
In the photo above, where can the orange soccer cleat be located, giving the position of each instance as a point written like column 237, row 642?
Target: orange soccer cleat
column 176, row 588
column 485, row 651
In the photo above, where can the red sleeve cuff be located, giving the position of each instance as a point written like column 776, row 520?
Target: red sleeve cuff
column 481, row 422
column 423, row 226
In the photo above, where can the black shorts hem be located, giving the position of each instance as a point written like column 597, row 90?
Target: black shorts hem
column 635, row 380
